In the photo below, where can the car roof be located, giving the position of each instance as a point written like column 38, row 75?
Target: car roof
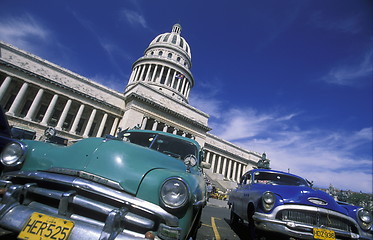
column 166, row 134
column 273, row 171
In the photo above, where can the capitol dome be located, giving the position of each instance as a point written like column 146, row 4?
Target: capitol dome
column 166, row 65
column 172, row 39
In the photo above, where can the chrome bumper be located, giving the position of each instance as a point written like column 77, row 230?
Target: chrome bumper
column 298, row 229
column 98, row 211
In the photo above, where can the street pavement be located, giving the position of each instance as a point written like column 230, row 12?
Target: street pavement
column 217, row 203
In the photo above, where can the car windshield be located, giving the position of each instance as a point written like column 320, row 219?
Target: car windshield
column 278, row 179
column 171, row 146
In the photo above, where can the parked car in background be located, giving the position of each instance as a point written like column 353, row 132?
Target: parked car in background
column 278, row 204
column 145, row 184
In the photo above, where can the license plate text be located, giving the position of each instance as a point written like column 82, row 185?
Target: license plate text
column 324, row 234
column 43, row 227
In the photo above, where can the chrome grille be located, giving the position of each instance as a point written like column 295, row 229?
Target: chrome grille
column 83, row 200
column 317, row 219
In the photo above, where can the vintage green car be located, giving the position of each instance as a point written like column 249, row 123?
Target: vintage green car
column 140, row 185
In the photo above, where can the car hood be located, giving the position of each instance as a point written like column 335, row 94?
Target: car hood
column 306, row 196
column 118, row 161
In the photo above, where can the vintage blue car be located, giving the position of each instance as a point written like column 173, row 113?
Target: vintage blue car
column 140, row 185
column 278, row 204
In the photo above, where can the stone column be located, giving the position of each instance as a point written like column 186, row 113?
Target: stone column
column 63, row 115
column 142, row 72
column 178, row 83
column 239, row 173
column 89, row 124
column 144, row 121
column 175, row 131
column 183, row 85
column 49, row 111
column 173, row 79
column 77, row 119
column 4, row 86
column 160, row 75
column 17, row 101
column 31, row 112
column 154, row 72
column 167, row 80
column 147, row 72
column 114, row 127
column 213, row 162
column 229, row 169
column 219, row 163
column 165, row 128
column 155, row 125
column 131, row 76
column 102, row 125
column 234, row 170
column 187, row 93
column 224, row 167
column 185, row 88
column 137, row 73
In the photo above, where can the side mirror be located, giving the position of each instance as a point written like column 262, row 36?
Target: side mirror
column 206, row 165
column 201, row 155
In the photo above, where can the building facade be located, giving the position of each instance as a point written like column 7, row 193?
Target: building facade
column 38, row 94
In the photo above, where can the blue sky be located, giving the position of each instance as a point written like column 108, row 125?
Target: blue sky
column 289, row 78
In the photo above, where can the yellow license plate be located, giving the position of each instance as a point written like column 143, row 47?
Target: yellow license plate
column 325, row 234
column 43, row 227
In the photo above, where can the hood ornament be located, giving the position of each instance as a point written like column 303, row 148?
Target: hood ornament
column 317, row 201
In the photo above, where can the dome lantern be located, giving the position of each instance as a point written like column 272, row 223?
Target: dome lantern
column 176, row 29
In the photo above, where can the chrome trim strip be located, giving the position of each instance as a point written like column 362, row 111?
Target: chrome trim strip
column 98, row 189
column 298, row 228
column 87, row 176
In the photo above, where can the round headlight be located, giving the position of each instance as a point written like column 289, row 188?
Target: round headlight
column 365, row 219
column 268, row 199
column 174, row 193
column 12, row 154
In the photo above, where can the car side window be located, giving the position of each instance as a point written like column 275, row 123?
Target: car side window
column 245, row 179
column 248, row 179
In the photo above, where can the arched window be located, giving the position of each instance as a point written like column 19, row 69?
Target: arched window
column 160, row 53
column 181, row 43
column 169, row 55
column 166, row 38
column 178, row 59
column 174, row 39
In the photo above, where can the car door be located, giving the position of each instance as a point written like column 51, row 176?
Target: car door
column 241, row 201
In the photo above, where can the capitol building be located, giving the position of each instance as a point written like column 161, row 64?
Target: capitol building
column 37, row 94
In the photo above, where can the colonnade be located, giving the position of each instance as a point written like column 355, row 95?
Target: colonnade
column 48, row 108
column 229, row 168
column 149, row 123
column 162, row 75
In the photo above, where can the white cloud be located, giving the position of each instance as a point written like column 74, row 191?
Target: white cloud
column 324, row 156
column 135, row 18
column 352, row 74
column 208, row 105
column 21, row 31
